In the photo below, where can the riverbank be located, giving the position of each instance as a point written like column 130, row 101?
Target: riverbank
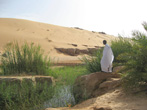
column 113, row 100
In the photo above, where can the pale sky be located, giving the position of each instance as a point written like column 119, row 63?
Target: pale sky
column 110, row 16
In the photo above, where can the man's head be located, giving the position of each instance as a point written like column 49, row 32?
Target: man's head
column 104, row 42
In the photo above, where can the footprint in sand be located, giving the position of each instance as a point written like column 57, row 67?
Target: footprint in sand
column 48, row 40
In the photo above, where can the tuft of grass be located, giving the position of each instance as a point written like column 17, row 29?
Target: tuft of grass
column 24, row 96
column 27, row 58
column 93, row 62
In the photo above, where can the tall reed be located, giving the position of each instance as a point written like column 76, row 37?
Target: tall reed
column 24, row 96
column 27, row 58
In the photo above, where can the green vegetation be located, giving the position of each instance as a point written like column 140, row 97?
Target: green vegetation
column 121, row 46
column 29, row 97
column 136, row 77
column 29, row 59
column 24, row 59
column 131, row 53
column 65, row 78
column 25, row 96
column 93, row 62
column 67, row 75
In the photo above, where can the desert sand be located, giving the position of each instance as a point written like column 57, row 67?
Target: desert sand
column 50, row 37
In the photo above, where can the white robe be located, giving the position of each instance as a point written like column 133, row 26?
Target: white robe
column 107, row 59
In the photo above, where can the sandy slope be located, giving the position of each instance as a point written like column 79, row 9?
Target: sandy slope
column 48, row 36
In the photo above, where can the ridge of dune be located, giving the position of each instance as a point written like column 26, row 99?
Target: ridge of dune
column 49, row 36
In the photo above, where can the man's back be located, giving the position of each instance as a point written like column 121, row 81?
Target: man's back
column 107, row 59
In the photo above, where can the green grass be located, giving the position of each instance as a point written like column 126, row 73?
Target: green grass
column 28, row 58
column 24, row 96
column 68, row 74
column 92, row 63
column 28, row 96
column 65, row 77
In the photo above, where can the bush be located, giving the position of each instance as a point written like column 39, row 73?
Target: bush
column 139, row 53
column 93, row 62
column 133, row 81
column 26, row 58
column 121, row 46
column 137, row 58
column 136, row 61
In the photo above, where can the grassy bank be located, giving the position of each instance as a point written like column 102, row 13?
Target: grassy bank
column 28, row 59
column 25, row 96
column 29, row 97
column 65, row 78
column 68, row 74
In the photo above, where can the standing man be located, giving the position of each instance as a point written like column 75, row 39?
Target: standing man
column 107, row 59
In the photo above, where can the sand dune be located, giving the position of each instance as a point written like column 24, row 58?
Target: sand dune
column 49, row 36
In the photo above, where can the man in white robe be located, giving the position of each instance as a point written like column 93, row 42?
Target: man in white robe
column 107, row 59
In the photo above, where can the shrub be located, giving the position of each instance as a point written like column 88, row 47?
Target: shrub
column 136, row 61
column 121, row 46
column 137, row 58
column 93, row 62
column 26, row 58
column 133, row 81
